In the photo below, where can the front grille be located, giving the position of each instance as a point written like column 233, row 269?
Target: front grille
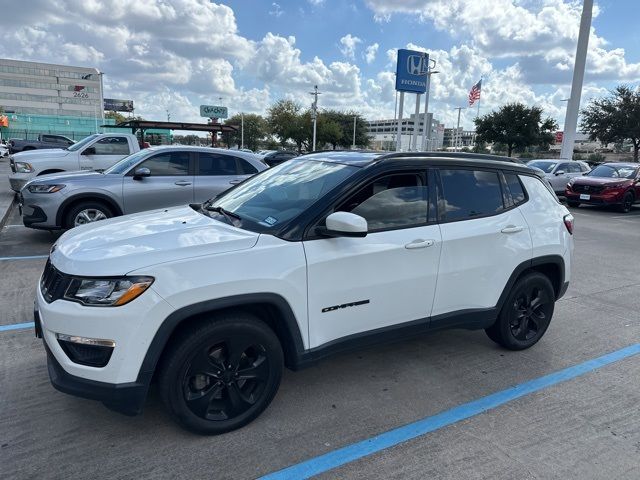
column 12, row 164
column 53, row 283
column 587, row 188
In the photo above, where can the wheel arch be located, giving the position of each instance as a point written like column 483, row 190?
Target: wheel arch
column 96, row 197
column 272, row 308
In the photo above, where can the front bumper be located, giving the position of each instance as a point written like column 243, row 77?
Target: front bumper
column 39, row 210
column 612, row 198
column 126, row 398
column 16, row 183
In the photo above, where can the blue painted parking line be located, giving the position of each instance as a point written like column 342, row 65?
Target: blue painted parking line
column 28, row 257
column 16, row 326
column 355, row 451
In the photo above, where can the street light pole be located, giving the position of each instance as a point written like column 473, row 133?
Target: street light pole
column 241, row 130
column 314, row 113
column 353, row 146
column 573, row 105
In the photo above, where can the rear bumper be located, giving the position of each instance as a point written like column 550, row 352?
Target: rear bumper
column 126, row 398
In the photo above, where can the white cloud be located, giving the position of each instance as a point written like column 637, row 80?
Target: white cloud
column 349, row 44
column 276, row 10
column 370, row 52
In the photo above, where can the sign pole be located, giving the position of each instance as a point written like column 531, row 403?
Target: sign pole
column 399, row 135
column 416, row 124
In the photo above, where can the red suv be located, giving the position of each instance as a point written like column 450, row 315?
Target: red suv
column 607, row 184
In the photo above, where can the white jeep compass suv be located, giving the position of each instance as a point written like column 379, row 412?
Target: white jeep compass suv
column 322, row 253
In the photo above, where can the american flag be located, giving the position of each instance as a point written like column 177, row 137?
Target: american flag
column 474, row 94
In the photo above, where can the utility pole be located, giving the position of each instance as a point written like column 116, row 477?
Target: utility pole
column 457, row 133
column 314, row 113
column 168, row 115
column 353, row 146
column 241, row 129
column 573, row 105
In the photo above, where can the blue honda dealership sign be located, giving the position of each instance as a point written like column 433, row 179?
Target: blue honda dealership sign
column 411, row 71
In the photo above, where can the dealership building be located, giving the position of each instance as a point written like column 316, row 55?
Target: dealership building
column 383, row 133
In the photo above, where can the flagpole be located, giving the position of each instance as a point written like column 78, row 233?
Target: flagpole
column 479, row 99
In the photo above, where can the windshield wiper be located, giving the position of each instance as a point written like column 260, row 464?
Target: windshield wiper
column 230, row 216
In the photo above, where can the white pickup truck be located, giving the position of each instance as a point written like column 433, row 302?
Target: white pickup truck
column 95, row 152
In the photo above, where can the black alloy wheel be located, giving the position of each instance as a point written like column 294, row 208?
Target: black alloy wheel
column 627, row 202
column 526, row 313
column 221, row 374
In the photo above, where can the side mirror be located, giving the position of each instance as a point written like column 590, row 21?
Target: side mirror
column 559, row 172
column 345, row 224
column 89, row 151
column 141, row 172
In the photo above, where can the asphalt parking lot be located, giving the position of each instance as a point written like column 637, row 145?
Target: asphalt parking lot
column 585, row 425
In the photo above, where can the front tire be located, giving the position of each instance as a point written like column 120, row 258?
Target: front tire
column 627, row 202
column 86, row 212
column 526, row 313
column 221, row 374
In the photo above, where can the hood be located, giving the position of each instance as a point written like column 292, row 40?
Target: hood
column 42, row 154
column 600, row 181
column 62, row 177
column 124, row 244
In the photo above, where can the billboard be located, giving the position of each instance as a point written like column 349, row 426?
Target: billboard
column 411, row 71
column 213, row 111
column 559, row 137
column 115, row 105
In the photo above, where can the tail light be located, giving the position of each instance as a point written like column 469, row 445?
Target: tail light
column 568, row 222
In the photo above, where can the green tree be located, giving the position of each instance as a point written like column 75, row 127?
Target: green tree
column 284, row 121
column 117, row 116
column 255, row 129
column 615, row 118
column 516, row 126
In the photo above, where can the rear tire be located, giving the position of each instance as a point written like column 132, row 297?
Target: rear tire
column 221, row 374
column 573, row 204
column 627, row 201
column 86, row 212
column 526, row 313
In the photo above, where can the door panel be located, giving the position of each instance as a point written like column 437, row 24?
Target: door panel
column 215, row 173
column 478, row 254
column 170, row 183
column 396, row 282
column 384, row 279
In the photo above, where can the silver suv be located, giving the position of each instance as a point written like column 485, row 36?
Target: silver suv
column 153, row 178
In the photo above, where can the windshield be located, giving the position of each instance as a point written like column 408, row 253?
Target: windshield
column 127, row 162
column 545, row 166
column 613, row 171
column 81, row 143
column 271, row 198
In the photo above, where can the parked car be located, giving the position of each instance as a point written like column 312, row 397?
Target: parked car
column 276, row 158
column 95, row 152
column 156, row 177
column 44, row 141
column 322, row 253
column 615, row 184
column 559, row 172
column 4, row 150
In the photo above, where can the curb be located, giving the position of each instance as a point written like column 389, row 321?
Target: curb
column 7, row 214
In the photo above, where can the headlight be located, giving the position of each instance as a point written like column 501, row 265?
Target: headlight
column 23, row 167
column 45, row 188
column 106, row 292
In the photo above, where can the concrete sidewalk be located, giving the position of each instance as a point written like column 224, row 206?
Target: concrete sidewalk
column 7, row 196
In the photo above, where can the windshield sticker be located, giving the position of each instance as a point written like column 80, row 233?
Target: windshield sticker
column 270, row 221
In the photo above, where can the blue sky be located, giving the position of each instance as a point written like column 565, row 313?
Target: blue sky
column 178, row 54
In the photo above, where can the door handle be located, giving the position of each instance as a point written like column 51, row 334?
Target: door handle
column 419, row 243
column 182, row 183
column 512, row 229
column 235, row 182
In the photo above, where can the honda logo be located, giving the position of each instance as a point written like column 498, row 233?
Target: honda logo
column 417, row 64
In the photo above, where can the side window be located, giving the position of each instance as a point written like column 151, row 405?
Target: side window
column 584, row 167
column 217, row 164
column 564, row 167
column 167, row 164
column 470, row 193
column 395, row 201
column 245, row 168
column 573, row 168
column 515, row 188
column 112, row 146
